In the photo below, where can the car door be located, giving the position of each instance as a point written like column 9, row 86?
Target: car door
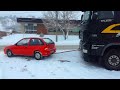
column 21, row 47
column 35, row 44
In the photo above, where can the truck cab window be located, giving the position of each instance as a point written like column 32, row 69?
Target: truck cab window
column 105, row 14
column 86, row 16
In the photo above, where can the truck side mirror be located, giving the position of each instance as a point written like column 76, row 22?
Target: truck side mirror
column 82, row 17
column 94, row 17
column 79, row 34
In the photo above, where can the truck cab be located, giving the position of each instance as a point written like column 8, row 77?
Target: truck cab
column 100, row 38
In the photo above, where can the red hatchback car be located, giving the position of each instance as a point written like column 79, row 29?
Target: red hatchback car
column 37, row 47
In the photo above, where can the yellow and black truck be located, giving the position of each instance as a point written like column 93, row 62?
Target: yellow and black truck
column 100, row 38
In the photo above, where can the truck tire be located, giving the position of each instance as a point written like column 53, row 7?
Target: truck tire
column 111, row 60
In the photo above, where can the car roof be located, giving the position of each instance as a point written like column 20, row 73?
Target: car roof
column 35, row 38
column 32, row 38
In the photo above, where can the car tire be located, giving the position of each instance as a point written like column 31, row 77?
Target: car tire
column 37, row 56
column 112, row 60
column 9, row 53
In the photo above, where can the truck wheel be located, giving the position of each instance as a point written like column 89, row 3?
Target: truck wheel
column 37, row 56
column 112, row 60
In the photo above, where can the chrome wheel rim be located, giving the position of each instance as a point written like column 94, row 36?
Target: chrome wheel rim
column 9, row 53
column 37, row 55
column 114, row 60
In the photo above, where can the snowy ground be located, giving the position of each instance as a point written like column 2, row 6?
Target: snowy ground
column 67, row 65
column 12, row 39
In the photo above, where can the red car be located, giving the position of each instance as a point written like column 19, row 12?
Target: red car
column 37, row 47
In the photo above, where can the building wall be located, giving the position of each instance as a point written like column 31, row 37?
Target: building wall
column 22, row 27
column 2, row 34
column 41, row 29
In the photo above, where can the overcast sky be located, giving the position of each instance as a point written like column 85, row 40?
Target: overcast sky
column 26, row 13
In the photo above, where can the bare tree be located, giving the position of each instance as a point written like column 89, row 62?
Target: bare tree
column 49, row 19
column 66, row 16
column 64, row 23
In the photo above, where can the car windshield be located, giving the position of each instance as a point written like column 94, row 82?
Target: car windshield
column 23, row 42
column 48, row 41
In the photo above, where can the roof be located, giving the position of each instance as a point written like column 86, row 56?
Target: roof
column 32, row 20
column 37, row 20
column 61, row 21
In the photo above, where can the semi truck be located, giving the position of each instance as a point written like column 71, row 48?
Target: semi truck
column 100, row 38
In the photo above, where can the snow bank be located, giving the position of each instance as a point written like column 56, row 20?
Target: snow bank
column 12, row 39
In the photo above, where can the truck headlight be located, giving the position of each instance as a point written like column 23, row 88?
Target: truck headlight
column 85, row 51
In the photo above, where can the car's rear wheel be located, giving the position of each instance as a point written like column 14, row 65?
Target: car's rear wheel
column 9, row 53
column 37, row 56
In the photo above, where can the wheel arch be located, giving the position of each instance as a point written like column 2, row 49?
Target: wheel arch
column 109, row 47
column 8, row 50
column 37, row 51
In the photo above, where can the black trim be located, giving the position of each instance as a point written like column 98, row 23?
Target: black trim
column 32, row 20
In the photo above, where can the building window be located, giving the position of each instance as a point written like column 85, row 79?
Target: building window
column 30, row 28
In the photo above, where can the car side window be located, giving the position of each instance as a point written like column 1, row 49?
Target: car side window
column 48, row 41
column 23, row 42
column 36, row 42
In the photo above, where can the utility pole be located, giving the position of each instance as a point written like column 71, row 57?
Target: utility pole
column 56, row 25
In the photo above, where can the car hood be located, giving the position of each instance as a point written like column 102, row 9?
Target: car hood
column 10, row 46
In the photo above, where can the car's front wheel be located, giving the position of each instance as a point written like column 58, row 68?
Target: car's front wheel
column 37, row 56
column 9, row 53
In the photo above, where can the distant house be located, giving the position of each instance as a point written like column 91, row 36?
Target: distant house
column 32, row 25
column 2, row 33
column 5, row 33
column 73, row 25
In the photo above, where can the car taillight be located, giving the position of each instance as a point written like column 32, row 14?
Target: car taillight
column 46, row 48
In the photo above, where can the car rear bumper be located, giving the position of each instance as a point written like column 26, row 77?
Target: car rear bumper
column 49, row 52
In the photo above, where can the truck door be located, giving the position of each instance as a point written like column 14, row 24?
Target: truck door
column 84, row 30
column 101, row 24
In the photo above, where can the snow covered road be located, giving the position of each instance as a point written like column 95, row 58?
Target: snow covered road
column 67, row 65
